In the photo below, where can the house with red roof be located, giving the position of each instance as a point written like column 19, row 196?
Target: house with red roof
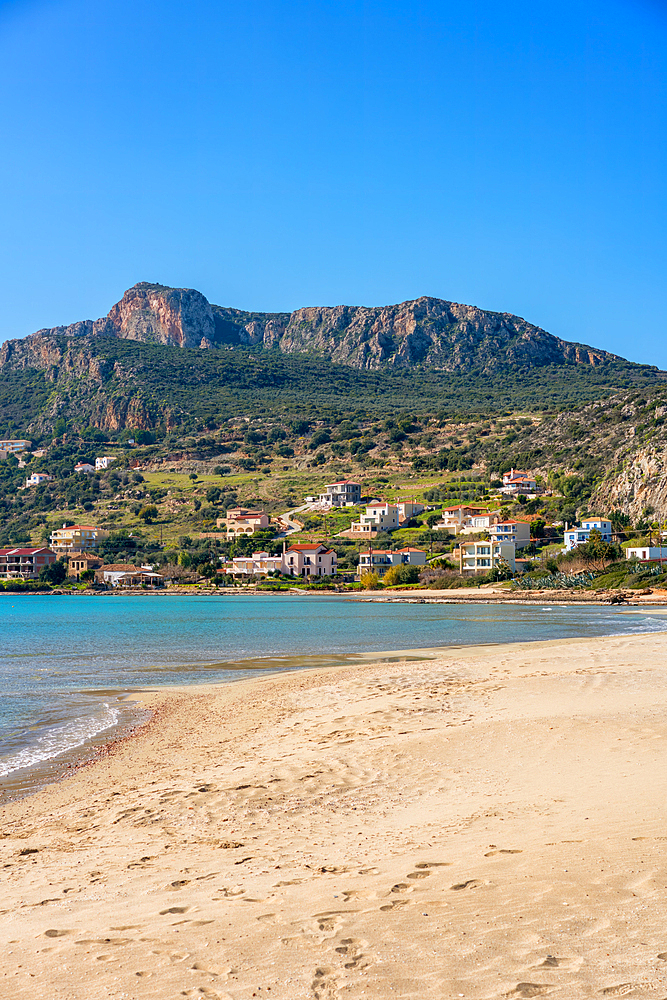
column 343, row 493
column 309, row 560
column 24, row 564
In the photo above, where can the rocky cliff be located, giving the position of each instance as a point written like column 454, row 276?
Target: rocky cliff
column 442, row 336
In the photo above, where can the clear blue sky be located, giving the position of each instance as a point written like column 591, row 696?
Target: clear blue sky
column 280, row 153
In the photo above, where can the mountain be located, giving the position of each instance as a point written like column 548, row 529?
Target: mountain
column 166, row 357
column 442, row 336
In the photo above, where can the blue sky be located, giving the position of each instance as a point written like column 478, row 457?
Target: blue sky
column 276, row 154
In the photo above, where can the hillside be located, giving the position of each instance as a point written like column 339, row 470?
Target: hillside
column 165, row 358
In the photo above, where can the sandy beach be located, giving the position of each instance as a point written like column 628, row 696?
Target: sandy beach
column 487, row 823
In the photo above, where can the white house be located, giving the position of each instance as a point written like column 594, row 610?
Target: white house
column 257, row 564
column 647, row 553
column 517, row 481
column 379, row 516
column 104, row 462
column 480, row 557
column 84, row 467
column 464, row 520
column 380, row 560
column 38, row 477
column 579, row 535
column 344, row 493
column 511, row 531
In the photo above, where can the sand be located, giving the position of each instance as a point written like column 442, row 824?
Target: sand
column 488, row 823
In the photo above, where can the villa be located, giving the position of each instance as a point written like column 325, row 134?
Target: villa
column 24, row 564
column 516, row 481
column 344, row 493
column 104, row 462
column 580, row 535
column 257, row 564
column 76, row 538
column 309, row 560
column 78, row 564
column 37, row 478
column 118, row 575
column 13, row 447
column 379, row 516
column 511, row 531
column 381, row 560
column 84, row 467
column 240, row 521
column 481, row 557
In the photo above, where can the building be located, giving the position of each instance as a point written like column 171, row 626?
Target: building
column 511, row 531
column 84, row 467
column 240, row 521
column 258, row 564
column 379, row 516
column 465, row 520
column 104, row 462
column 37, row 478
column 118, row 575
column 344, row 493
column 517, row 481
column 481, row 557
column 76, row 538
column 579, row 535
column 25, row 564
column 309, row 560
column 12, row 447
column 381, row 560
column 408, row 509
column 79, row 563
column 647, row 553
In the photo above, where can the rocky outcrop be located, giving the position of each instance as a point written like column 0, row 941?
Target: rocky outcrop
column 640, row 488
column 177, row 317
column 444, row 336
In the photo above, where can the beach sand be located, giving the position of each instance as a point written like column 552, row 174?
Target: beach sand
column 488, row 823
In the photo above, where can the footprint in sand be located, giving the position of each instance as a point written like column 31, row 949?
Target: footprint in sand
column 529, row 990
column 174, row 909
column 396, row 904
column 551, row 962
column 53, row 933
column 491, row 854
column 472, row 883
column 418, row 875
column 324, row 985
column 621, row 990
column 433, row 864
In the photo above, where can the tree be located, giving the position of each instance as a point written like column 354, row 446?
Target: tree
column 193, row 476
column 537, row 528
column 148, row 514
column 370, row 581
column 597, row 552
column 401, row 575
column 55, row 573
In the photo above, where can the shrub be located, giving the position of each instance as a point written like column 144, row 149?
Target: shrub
column 370, row 581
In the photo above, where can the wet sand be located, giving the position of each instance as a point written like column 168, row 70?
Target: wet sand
column 487, row 823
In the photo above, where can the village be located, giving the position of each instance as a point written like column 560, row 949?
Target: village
column 500, row 538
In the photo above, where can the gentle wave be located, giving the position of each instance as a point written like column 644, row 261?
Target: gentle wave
column 60, row 740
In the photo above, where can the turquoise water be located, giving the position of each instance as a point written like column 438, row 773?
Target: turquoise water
column 65, row 662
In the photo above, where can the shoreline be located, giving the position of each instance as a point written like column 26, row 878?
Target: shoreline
column 460, row 595
column 430, row 828
column 133, row 701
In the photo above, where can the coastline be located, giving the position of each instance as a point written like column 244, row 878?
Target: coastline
column 489, row 594
column 481, row 823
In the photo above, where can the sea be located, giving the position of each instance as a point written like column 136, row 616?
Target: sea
column 69, row 665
